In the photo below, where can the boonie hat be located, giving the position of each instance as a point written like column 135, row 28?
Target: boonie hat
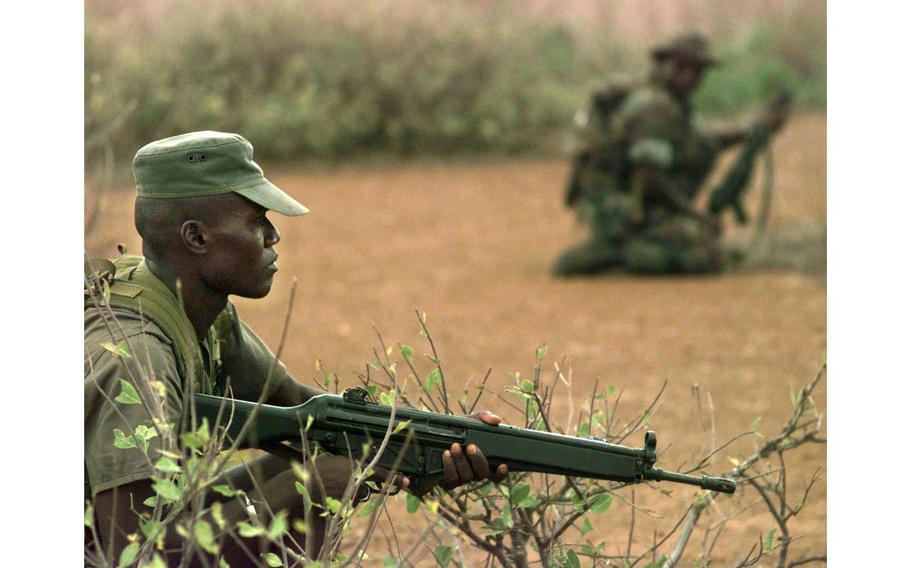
column 690, row 46
column 204, row 163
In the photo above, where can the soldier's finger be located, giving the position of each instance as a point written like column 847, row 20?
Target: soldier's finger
column 381, row 475
column 465, row 473
column 449, row 472
column 488, row 418
column 501, row 472
column 478, row 462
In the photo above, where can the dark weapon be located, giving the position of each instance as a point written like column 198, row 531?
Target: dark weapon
column 574, row 188
column 729, row 192
column 352, row 424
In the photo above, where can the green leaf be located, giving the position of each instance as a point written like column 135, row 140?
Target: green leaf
column 600, row 503
column 226, row 490
column 302, row 490
column 519, row 492
column 401, row 426
column 584, row 430
column 222, row 563
column 528, row 502
column 167, row 465
column 433, row 379
column 586, row 526
column 413, row 503
column 246, row 530
column 443, row 555
column 272, row 559
column 278, row 526
column 367, row 510
column 151, row 501
column 496, row 526
column 407, row 352
column 128, row 394
column 143, row 435
column 89, row 515
column 390, row 562
column 572, row 560
column 167, row 489
column 300, row 526
column 123, row 441
column 768, row 544
column 334, row 505
column 119, row 350
column 541, row 352
column 128, row 554
column 507, row 518
column 755, row 424
column 151, row 530
column 218, row 514
column 157, row 562
column 205, row 536
column 198, row 438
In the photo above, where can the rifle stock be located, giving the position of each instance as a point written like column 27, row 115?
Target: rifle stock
column 352, row 424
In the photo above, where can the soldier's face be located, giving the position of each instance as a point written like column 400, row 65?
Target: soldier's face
column 683, row 76
column 241, row 259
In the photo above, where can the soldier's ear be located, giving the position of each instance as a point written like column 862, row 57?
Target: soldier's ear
column 194, row 235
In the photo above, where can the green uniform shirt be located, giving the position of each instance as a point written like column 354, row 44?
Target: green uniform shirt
column 244, row 358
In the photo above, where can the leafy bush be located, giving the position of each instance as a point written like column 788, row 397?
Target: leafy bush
column 326, row 81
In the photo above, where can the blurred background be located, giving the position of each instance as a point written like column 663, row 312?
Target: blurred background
column 341, row 79
column 431, row 142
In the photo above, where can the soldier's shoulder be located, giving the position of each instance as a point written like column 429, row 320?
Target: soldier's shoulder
column 647, row 99
column 101, row 323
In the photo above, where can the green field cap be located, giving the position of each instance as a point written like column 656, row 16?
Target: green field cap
column 207, row 163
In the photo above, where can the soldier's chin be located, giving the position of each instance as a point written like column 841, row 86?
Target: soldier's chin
column 260, row 291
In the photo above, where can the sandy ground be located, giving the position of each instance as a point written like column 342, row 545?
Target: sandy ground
column 471, row 244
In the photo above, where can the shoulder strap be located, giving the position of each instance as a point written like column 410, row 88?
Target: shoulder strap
column 135, row 288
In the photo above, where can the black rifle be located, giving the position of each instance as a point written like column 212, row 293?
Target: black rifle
column 352, row 424
column 729, row 192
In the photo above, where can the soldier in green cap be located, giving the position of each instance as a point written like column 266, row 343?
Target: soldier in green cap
column 201, row 211
column 640, row 167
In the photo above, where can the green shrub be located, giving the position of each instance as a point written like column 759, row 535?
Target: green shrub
column 338, row 81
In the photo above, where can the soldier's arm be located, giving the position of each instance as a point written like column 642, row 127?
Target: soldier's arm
column 731, row 137
column 251, row 367
column 647, row 179
column 774, row 118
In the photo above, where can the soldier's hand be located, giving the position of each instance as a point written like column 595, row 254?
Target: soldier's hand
column 464, row 465
column 775, row 117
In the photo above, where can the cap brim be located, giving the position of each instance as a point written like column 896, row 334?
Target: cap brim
column 662, row 53
column 269, row 196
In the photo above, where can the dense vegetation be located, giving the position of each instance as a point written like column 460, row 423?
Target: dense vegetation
column 336, row 80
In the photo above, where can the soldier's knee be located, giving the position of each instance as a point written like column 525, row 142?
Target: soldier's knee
column 588, row 258
column 647, row 258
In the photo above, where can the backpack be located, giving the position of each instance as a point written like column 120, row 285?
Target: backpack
column 604, row 104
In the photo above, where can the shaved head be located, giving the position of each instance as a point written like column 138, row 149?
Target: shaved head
column 159, row 221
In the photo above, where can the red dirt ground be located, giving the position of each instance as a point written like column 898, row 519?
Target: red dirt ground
column 471, row 245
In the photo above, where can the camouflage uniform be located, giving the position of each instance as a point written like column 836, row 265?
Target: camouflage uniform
column 646, row 125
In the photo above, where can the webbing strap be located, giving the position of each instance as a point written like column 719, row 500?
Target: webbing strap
column 135, row 288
